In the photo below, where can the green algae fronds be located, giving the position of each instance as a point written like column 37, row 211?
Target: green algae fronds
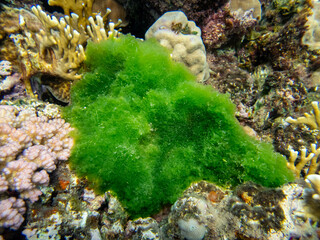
column 145, row 129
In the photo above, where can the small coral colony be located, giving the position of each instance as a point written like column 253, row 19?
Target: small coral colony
column 170, row 124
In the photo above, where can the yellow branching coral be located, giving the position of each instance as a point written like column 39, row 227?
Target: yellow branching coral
column 305, row 159
column 310, row 161
column 312, row 120
column 84, row 10
column 97, row 32
column 57, row 49
column 62, row 43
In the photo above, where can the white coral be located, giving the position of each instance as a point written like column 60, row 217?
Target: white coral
column 314, row 180
column 173, row 31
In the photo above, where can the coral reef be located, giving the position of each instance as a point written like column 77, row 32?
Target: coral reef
column 227, row 77
column 9, row 24
column 70, row 209
column 196, row 10
column 267, row 71
column 31, row 145
column 90, row 8
column 306, row 165
column 183, row 38
column 248, row 212
column 266, row 60
column 310, row 161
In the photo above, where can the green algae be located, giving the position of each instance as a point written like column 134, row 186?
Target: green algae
column 145, row 129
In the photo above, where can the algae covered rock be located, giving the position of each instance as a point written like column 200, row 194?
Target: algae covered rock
column 145, row 129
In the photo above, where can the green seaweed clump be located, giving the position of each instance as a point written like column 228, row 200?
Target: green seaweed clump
column 145, row 129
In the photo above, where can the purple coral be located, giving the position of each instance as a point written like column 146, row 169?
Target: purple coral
column 30, row 147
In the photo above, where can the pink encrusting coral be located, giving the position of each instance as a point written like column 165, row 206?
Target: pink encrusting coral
column 30, row 147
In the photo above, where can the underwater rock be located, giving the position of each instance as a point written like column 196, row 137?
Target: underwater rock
column 226, row 26
column 249, row 212
column 143, row 228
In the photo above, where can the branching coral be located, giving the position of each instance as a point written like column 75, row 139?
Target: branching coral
column 62, row 43
column 85, row 9
column 82, row 8
column 311, row 120
column 58, row 48
column 311, row 160
column 30, row 147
